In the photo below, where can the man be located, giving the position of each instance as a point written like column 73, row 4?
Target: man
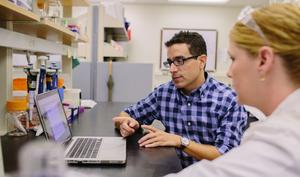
column 265, row 73
column 202, row 117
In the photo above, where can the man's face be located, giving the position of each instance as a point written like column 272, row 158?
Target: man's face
column 190, row 75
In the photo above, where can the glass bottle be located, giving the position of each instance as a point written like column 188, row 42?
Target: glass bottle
column 42, row 5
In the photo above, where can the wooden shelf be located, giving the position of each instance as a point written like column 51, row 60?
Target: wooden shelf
column 110, row 51
column 49, row 25
column 11, row 12
column 115, row 28
column 44, row 29
column 68, row 35
column 23, row 30
column 15, row 40
column 48, row 30
column 74, row 2
column 83, row 38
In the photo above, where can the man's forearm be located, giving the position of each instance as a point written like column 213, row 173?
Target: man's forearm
column 202, row 151
column 124, row 114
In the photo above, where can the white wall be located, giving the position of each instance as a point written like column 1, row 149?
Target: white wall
column 148, row 20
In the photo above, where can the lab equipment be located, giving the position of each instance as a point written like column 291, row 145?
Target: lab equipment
column 42, row 74
column 31, row 84
column 43, row 7
column 17, row 117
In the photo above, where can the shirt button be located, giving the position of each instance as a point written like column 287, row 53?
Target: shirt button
column 189, row 104
column 189, row 123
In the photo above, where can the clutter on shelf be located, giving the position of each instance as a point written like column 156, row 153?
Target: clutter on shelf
column 25, row 4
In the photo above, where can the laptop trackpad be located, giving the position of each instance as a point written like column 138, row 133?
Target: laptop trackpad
column 113, row 150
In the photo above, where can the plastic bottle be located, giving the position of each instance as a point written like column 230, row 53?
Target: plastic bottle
column 17, row 117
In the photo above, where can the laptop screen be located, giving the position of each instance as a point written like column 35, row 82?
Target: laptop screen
column 53, row 117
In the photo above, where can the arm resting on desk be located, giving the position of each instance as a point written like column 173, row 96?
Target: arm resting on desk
column 156, row 137
column 202, row 151
column 126, row 124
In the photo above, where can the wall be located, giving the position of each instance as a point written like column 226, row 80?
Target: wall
column 125, row 78
column 81, row 79
column 148, row 20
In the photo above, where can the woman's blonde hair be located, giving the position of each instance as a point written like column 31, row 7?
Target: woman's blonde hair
column 280, row 23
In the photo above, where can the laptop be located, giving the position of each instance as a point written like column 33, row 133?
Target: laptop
column 79, row 149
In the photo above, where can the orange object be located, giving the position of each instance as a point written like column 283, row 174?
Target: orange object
column 20, row 84
column 16, row 104
column 60, row 82
column 129, row 33
column 40, row 4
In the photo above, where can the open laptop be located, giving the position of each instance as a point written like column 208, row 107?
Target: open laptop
column 90, row 150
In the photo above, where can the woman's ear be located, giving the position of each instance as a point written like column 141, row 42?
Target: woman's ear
column 265, row 60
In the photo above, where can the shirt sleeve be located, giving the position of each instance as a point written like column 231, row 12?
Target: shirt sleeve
column 231, row 127
column 145, row 110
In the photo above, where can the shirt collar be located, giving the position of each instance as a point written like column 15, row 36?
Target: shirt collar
column 200, row 90
column 289, row 103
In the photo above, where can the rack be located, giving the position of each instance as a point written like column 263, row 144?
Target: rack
column 23, row 30
column 11, row 12
column 75, row 2
column 115, row 28
column 110, row 28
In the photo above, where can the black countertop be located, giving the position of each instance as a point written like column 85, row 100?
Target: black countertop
column 146, row 162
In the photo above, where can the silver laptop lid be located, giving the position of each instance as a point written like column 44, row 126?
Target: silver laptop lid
column 53, row 117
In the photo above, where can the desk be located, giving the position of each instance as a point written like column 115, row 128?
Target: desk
column 141, row 162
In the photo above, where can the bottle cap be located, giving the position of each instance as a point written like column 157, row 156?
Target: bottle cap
column 20, row 84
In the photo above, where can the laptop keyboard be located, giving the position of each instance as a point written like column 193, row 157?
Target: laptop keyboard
column 85, row 148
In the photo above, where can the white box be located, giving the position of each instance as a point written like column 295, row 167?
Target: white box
column 72, row 96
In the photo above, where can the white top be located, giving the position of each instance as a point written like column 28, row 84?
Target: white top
column 269, row 148
column 255, row 112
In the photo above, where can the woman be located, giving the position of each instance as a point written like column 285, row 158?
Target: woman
column 265, row 71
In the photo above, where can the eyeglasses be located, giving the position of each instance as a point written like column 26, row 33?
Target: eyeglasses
column 245, row 18
column 179, row 60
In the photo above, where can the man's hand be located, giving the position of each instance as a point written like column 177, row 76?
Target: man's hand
column 156, row 137
column 127, row 125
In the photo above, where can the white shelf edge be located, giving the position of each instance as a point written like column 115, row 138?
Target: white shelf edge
column 111, row 22
column 21, row 41
column 110, row 51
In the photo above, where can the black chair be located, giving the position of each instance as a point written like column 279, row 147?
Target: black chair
column 251, row 118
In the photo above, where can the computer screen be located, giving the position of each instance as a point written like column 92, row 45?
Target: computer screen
column 53, row 117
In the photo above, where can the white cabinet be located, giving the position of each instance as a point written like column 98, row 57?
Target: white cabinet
column 111, row 32
column 115, row 27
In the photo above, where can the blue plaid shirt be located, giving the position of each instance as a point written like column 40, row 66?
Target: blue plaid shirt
column 209, row 115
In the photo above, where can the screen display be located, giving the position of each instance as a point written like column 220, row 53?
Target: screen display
column 53, row 117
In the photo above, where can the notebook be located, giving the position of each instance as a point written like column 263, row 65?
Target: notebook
column 85, row 149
